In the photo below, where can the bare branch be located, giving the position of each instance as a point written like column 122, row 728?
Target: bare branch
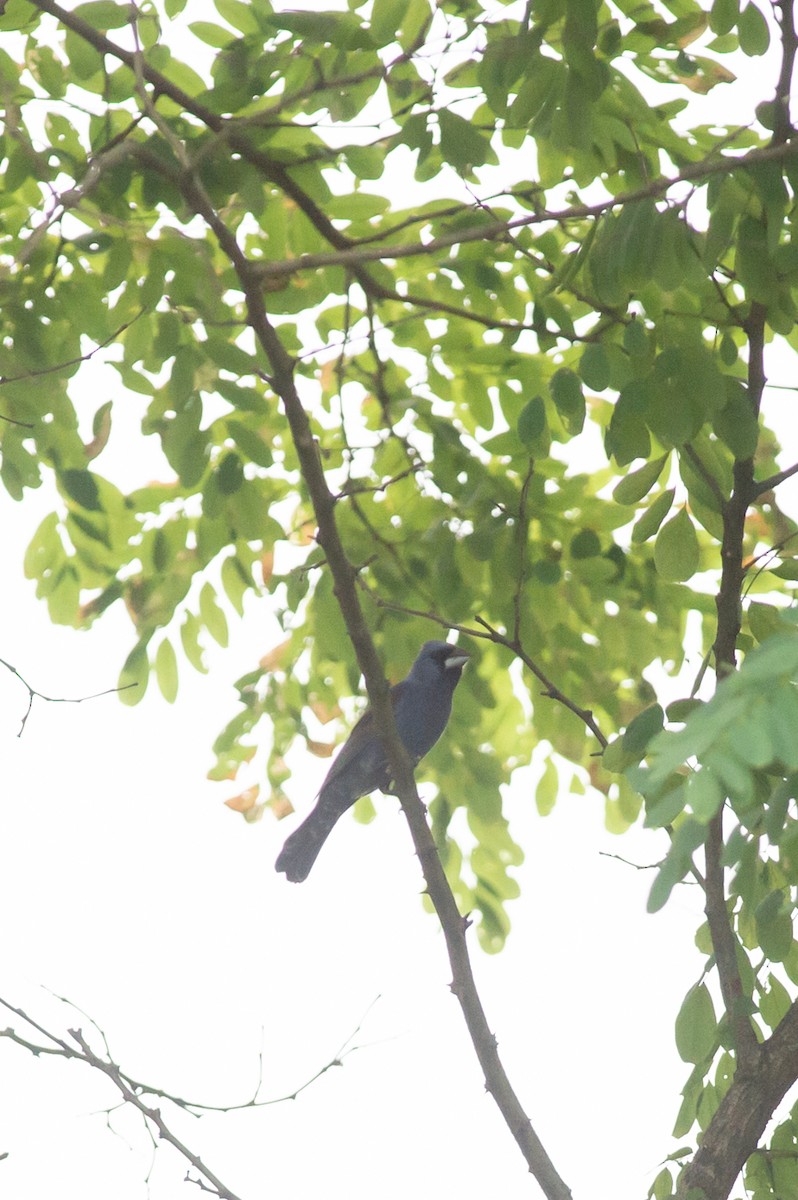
column 133, row 1091
column 32, row 693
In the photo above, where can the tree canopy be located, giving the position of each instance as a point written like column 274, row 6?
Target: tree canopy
column 448, row 317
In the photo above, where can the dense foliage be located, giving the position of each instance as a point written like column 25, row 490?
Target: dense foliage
column 526, row 310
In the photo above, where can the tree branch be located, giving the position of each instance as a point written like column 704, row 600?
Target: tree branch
column 782, row 126
column 33, row 693
column 344, row 584
column 357, row 255
column 734, row 1132
column 133, row 1090
column 729, row 615
column 491, row 634
column 724, row 944
column 764, row 1072
column 234, row 131
column 773, row 481
column 84, row 1053
column 551, row 691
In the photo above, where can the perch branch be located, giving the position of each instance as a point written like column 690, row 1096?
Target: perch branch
column 345, row 587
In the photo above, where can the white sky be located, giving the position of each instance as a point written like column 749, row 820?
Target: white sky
column 128, row 887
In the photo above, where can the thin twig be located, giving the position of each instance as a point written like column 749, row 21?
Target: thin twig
column 773, row 481
column 551, row 691
column 132, row 1090
column 33, row 692
column 489, row 633
column 69, row 362
column 357, row 256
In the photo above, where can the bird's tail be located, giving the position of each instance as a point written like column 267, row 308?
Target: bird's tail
column 302, row 848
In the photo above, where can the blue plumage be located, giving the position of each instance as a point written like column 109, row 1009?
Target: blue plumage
column 421, row 703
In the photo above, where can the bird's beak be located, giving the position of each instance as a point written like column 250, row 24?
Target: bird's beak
column 457, row 658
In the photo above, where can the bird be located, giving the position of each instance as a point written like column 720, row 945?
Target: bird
column 422, row 704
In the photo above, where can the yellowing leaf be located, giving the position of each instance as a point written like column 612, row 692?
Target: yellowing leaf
column 280, row 805
column 244, row 801
column 274, row 657
column 324, row 712
column 101, row 429
column 320, row 749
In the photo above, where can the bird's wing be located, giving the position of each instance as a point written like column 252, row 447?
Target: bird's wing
column 361, row 741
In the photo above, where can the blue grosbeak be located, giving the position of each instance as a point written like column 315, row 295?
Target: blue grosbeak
column 421, row 705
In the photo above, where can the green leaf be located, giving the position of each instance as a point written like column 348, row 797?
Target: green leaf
column 230, row 474
column 594, row 367
column 166, row 670
column 752, row 260
column 753, row 30
column 635, row 234
column 723, row 16
column 45, row 549
column 236, row 582
column 212, row 616
column 642, row 729
column 653, row 517
column 543, row 79
column 696, row 1027
column 704, row 795
column 532, row 420
column 635, row 338
column 736, row 424
column 764, row 620
column 628, row 437
column 134, row 675
column 676, row 551
column 775, row 1003
column 461, row 144
column 546, row 791
column 211, row 34
column 238, row 14
column 585, row 544
column 679, row 710
column 566, row 392
column 189, row 636
column 103, row 14
column 81, row 486
column 639, row 483
column 774, row 927
column 386, row 20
